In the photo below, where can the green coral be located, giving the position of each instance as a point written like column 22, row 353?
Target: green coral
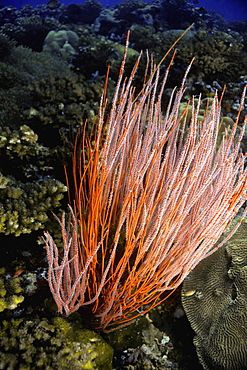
column 38, row 89
column 6, row 46
column 61, row 43
column 30, row 30
column 96, row 53
column 10, row 292
column 29, row 282
column 26, row 197
column 23, row 207
column 55, row 344
column 62, row 100
column 22, row 142
column 20, row 69
column 217, row 53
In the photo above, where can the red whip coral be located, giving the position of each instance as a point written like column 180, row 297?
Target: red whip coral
column 151, row 201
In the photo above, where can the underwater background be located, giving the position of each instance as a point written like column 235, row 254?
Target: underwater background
column 230, row 10
column 53, row 60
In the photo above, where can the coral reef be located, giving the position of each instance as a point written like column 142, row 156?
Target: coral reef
column 10, row 291
column 61, row 43
column 214, row 297
column 44, row 97
column 22, row 142
column 51, row 344
column 42, row 89
column 219, row 54
column 30, row 31
column 6, row 46
column 20, row 69
column 219, row 48
column 23, row 207
column 64, row 100
column 150, row 349
column 96, row 53
column 85, row 13
column 204, row 107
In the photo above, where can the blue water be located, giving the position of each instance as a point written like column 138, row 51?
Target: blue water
column 231, row 10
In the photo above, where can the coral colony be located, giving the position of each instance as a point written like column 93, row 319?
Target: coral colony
column 153, row 194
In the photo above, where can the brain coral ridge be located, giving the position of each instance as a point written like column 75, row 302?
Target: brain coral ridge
column 214, row 297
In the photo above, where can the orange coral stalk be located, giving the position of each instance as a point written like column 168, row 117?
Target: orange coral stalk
column 150, row 203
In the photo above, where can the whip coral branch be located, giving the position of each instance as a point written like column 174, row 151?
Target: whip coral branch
column 152, row 198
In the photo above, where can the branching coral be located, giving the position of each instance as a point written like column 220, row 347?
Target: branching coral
column 217, row 54
column 22, row 142
column 56, row 344
column 10, row 292
column 23, row 207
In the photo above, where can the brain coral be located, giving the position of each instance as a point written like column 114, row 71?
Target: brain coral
column 214, row 297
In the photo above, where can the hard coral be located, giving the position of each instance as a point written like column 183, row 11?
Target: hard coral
column 219, row 54
column 55, row 344
column 81, row 13
column 23, row 207
column 22, row 142
column 62, row 43
column 6, row 46
column 10, row 292
column 214, row 297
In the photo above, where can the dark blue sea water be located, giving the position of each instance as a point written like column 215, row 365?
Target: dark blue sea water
column 231, row 10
